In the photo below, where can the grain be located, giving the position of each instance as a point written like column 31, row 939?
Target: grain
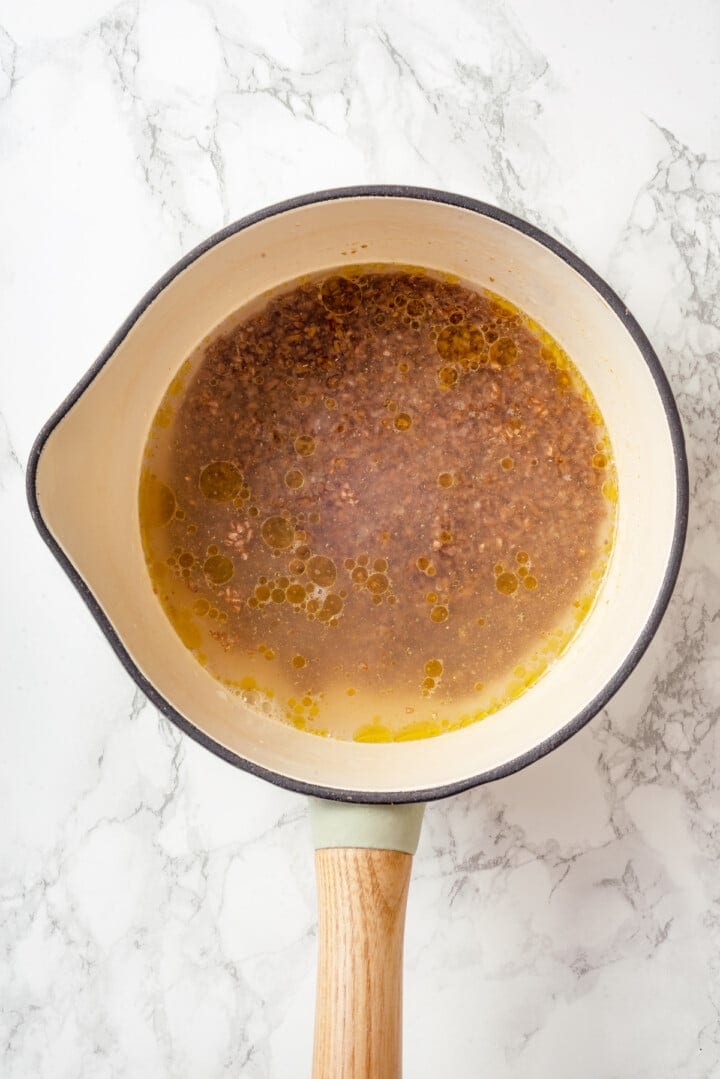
column 347, row 443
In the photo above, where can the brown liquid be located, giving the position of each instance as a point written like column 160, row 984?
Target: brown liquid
column 377, row 504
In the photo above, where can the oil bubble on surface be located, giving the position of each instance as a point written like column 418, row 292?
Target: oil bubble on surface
column 220, row 480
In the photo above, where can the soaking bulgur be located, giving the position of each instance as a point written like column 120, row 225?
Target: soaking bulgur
column 376, row 504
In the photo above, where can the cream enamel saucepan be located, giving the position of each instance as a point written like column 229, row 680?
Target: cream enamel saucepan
column 367, row 798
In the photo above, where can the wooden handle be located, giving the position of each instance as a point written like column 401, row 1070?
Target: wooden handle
column 362, row 895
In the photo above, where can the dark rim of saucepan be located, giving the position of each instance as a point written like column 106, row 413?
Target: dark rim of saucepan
column 633, row 656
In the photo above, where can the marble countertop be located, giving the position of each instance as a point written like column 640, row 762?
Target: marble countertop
column 157, row 910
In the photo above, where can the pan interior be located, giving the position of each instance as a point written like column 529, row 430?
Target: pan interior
column 88, row 472
column 377, row 505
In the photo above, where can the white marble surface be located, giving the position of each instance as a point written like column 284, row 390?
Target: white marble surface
column 157, row 908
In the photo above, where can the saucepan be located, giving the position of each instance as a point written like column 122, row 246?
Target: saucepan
column 367, row 799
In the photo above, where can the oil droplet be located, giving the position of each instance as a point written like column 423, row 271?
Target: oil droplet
column 522, row 556
column 478, row 686
column 599, row 460
column 423, row 728
column 377, row 583
column 380, row 565
column 461, row 344
column 321, row 570
column 295, row 593
column 422, row 563
column 609, row 490
column 434, row 668
column 157, row 501
column 278, row 533
column 523, row 571
column 403, row 422
column 481, row 621
column 497, row 570
column 304, row 445
column 431, row 597
column 218, row 569
column 186, row 559
column 447, row 377
column 349, row 563
column 332, row 605
column 340, row 296
column 445, row 479
column 506, row 583
column 201, row 606
column 530, row 582
column 439, row 614
column 373, row 732
column 359, row 575
column 220, row 481
column 507, row 463
column 277, row 595
column 503, row 351
column 299, row 661
column 262, row 593
column 294, row 479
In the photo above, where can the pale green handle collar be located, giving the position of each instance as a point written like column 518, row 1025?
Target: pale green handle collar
column 378, row 827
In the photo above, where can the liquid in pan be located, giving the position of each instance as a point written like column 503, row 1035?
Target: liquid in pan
column 378, row 503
